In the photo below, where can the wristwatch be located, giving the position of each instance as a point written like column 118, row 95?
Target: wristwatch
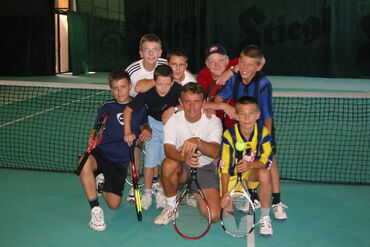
column 176, row 109
column 232, row 68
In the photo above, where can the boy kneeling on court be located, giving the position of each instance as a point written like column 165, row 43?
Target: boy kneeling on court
column 110, row 159
column 257, row 155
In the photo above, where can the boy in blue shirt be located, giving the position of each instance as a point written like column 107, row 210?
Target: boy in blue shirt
column 250, row 81
column 111, row 157
column 161, row 102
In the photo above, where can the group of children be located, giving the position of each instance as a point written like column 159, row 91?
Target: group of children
column 146, row 95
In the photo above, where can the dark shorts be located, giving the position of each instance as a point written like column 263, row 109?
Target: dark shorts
column 114, row 175
column 207, row 177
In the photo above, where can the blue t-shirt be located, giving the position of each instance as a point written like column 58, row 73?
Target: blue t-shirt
column 112, row 146
column 264, row 93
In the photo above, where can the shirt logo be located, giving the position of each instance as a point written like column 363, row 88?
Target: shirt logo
column 120, row 118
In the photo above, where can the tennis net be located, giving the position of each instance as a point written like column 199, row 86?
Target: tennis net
column 320, row 137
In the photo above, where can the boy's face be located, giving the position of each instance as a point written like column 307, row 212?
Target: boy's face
column 248, row 67
column 150, row 52
column 120, row 90
column 217, row 63
column 178, row 65
column 247, row 115
column 192, row 104
column 163, row 85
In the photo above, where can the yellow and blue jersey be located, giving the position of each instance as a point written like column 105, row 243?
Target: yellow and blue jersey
column 257, row 148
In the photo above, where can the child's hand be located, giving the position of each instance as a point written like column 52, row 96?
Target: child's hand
column 129, row 138
column 209, row 113
column 167, row 114
column 145, row 135
column 243, row 166
column 229, row 110
column 225, row 200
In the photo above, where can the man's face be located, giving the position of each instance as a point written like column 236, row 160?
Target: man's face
column 217, row 63
column 150, row 52
column 178, row 65
column 192, row 104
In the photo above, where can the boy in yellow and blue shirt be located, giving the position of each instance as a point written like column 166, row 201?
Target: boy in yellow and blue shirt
column 256, row 158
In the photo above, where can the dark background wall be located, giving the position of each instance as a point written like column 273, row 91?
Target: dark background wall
column 326, row 38
column 27, row 38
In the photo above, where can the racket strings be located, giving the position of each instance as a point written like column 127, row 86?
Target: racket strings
column 192, row 216
column 235, row 219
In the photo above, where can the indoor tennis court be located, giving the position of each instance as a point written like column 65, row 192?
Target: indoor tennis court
column 49, row 208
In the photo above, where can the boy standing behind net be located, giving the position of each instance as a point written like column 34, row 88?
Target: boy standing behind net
column 141, row 73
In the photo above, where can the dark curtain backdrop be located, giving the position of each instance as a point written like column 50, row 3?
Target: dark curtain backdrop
column 326, row 38
column 27, row 39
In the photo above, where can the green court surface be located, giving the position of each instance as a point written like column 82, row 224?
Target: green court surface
column 49, row 209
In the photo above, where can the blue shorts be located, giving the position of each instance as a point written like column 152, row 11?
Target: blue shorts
column 154, row 148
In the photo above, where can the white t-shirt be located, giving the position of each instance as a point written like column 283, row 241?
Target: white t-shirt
column 177, row 130
column 189, row 77
column 137, row 72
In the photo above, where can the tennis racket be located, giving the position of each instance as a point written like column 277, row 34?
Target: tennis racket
column 192, row 221
column 139, row 167
column 238, row 218
column 95, row 141
column 135, row 186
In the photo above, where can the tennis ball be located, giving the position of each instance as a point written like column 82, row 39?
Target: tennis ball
column 240, row 146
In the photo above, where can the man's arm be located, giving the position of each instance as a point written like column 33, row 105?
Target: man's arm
column 218, row 104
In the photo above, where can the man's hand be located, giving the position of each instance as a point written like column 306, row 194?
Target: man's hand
column 192, row 159
column 189, row 146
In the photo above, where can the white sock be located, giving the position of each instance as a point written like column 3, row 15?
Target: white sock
column 148, row 191
column 171, row 201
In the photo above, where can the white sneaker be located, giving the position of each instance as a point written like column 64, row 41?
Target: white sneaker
column 160, row 200
column 146, row 201
column 99, row 179
column 265, row 226
column 155, row 186
column 131, row 195
column 191, row 200
column 97, row 219
column 256, row 203
column 165, row 217
column 279, row 211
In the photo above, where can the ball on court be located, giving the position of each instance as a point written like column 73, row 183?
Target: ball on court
column 240, row 146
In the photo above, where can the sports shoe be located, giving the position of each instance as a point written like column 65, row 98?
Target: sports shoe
column 131, row 195
column 97, row 219
column 279, row 211
column 191, row 200
column 165, row 217
column 160, row 200
column 146, row 201
column 155, row 186
column 256, row 203
column 265, row 226
column 99, row 179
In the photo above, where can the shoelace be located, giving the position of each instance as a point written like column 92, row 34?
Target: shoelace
column 97, row 220
column 280, row 207
column 265, row 222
